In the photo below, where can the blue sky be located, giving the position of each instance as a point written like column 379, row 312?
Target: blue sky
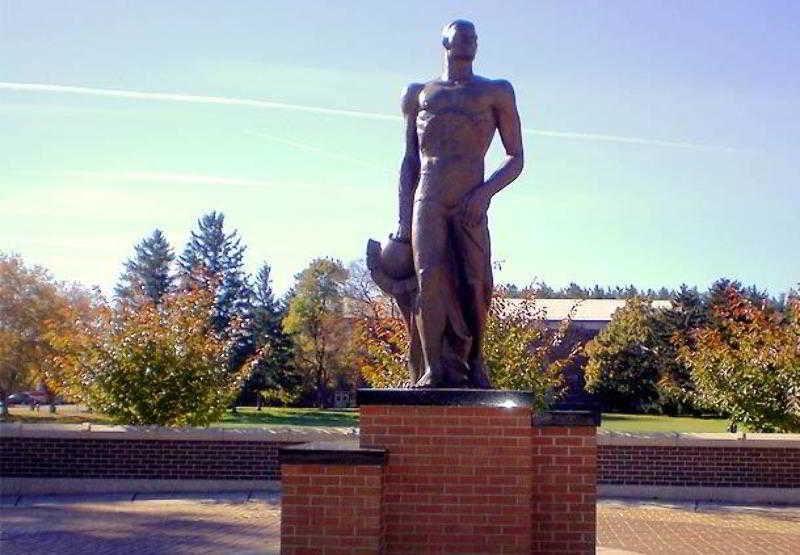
column 660, row 137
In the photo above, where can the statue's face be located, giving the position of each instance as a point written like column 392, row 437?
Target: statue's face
column 461, row 42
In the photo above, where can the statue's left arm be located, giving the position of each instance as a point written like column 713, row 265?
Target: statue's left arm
column 510, row 129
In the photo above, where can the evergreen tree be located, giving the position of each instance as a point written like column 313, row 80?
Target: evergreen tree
column 689, row 306
column 147, row 275
column 718, row 293
column 214, row 258
column 544, row 291
column 630, row 292
column 597, row 293
column 274, row 372
column 574, row 291
column 263, row 295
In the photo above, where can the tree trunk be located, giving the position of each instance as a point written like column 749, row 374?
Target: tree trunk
column 51, row 399
column 321, row 387
column 5, row 404
column 258, row 400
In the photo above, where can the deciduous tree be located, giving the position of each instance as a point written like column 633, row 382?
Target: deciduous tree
column 32, row 304
column 153, row 365
column 622, row 367
column 28, row 297
column 522, row 352
column 315, row 320
column 747, row 362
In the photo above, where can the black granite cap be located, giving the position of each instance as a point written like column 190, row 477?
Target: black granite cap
column 331, row 452
column 446, row 397
column 567, row 415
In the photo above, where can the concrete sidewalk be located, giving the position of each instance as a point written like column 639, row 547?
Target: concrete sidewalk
column 249, row 523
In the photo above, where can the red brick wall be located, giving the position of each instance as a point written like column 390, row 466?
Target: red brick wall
column 48, row 457
column 563, row 518
column 766, row 467
column 51, row 457
column 331, row 509
column 458, row 479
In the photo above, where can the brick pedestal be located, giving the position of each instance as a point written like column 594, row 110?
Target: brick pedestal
column 458, row 478
column 331, row 499
column 563, row 511
column 466, row 471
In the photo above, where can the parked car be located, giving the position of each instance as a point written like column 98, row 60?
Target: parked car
column 25, row 398
column 18, row 399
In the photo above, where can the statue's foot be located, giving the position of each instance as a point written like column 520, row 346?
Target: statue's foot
column 479, row 375
column 447, row 376
column 426, row 380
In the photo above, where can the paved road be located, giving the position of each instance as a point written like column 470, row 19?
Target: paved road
column 234, row 524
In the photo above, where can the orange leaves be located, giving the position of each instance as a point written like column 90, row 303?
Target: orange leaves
column 747, row 363
column 144, row 364
column 520, row 350
column 381, row 346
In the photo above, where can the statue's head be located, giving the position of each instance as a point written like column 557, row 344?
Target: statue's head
column 460, row 40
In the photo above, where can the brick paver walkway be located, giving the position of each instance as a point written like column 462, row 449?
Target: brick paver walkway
column 142, row 528
column 647, row 528
column 226, row 526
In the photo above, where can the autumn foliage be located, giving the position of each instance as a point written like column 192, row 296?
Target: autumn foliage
column 520, row 350
column 746, row 363
column 32, row 304
column 381, row 351
column 151, row 365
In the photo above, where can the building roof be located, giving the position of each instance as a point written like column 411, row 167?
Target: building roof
column 553, row 310
column 591, row 310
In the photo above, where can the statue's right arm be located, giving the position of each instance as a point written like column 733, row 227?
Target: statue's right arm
column 410, row 167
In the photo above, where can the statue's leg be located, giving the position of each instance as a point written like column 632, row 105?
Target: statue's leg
column 415, row 360
column 475, row 253
column 429, row 241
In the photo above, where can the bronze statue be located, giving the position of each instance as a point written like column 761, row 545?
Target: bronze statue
column 437, row 266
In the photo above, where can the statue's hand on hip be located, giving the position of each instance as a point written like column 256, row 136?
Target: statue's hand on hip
column 474, row 207
column 403, row 234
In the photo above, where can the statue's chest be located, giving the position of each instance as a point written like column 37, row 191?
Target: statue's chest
column 453, row 99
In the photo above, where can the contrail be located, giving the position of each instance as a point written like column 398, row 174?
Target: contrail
column 189, row 179
column 317, row 150
column 626, row 140
column 191, row 98
column 270, row 104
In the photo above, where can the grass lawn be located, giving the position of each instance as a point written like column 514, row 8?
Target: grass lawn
column 67, row 414
column 246, row 417
column 656, row 423
column 249, row 417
